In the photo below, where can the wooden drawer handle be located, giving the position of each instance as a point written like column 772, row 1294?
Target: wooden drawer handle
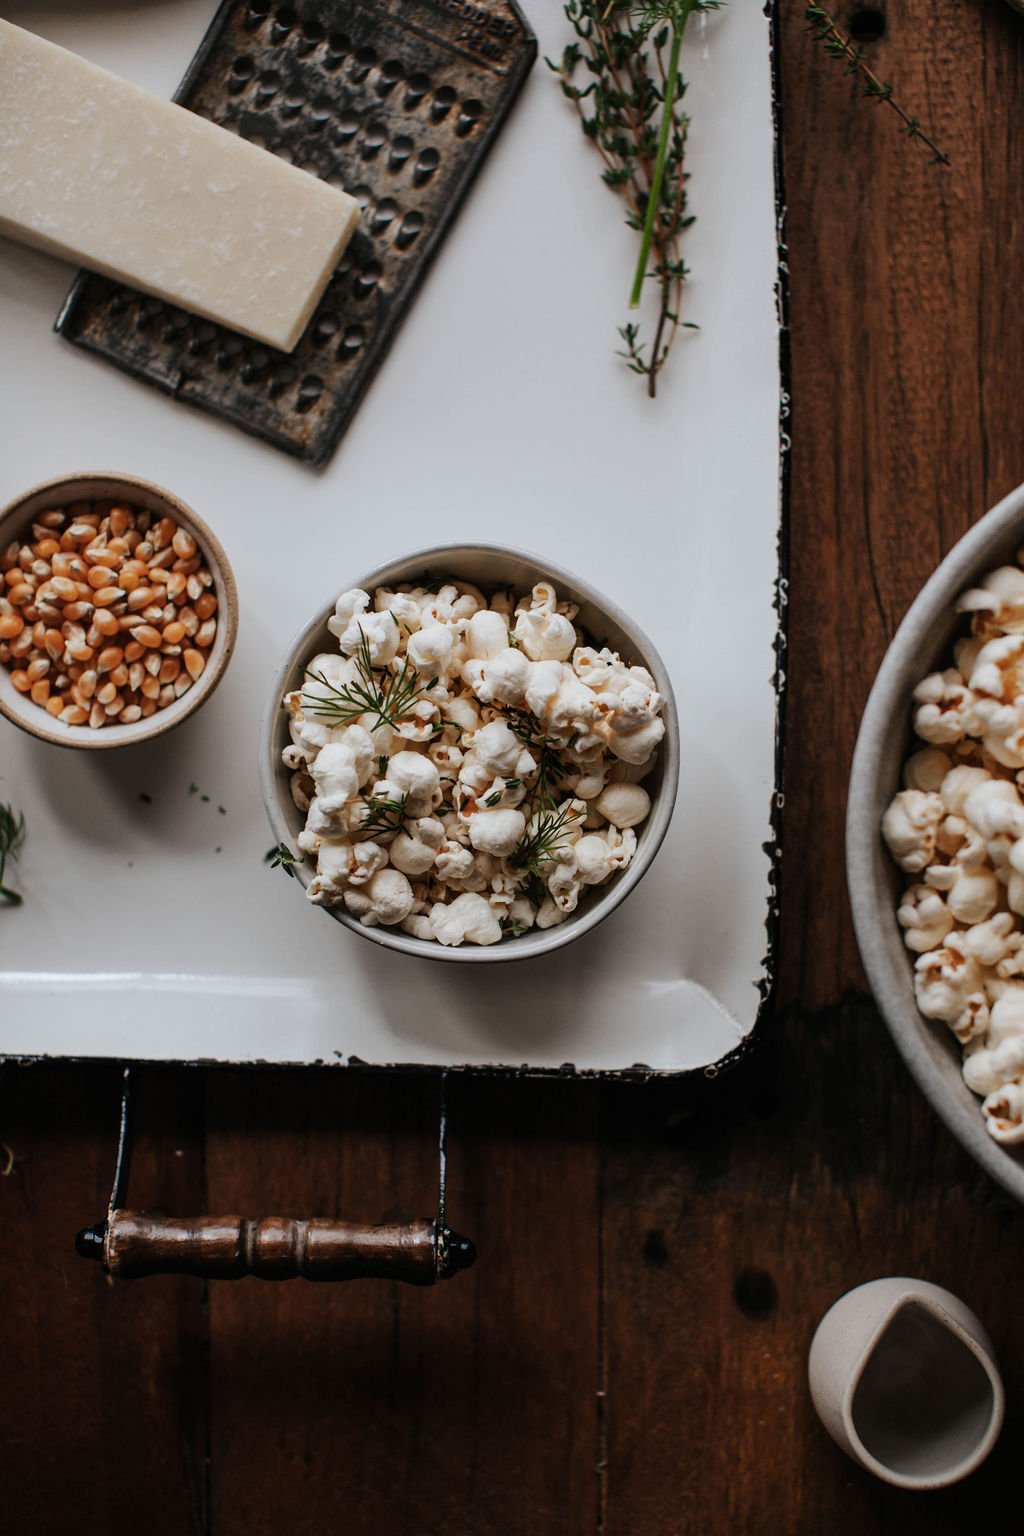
column 132, row 1244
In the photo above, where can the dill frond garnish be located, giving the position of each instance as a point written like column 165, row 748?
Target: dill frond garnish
column 544, row 749
column 542, row 841
column 383, row 816
column 385, row 695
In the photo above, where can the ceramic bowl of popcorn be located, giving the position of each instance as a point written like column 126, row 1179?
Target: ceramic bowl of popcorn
column 470, row 755
column 935, row 841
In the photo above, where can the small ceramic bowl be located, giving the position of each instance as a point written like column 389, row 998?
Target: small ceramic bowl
column 904, row 1378
column 57, row 494
column 489, row 567
column 923, row 643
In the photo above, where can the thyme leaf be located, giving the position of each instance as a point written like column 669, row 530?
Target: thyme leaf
column 280, row 857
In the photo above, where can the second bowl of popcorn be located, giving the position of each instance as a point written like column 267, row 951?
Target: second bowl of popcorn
column 470, row 755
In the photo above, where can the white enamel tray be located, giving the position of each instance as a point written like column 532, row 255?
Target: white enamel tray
column 151, row 927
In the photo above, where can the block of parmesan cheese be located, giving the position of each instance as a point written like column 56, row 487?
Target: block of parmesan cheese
column 98, row 171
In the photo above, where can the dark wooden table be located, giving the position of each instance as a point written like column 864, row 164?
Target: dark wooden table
column 628, row 1357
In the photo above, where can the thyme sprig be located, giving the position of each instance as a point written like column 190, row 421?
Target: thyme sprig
column 387, row 696
column 12, row 839
column 543, row 839
column 280, row 857
column 823, row 29
column 631, row 112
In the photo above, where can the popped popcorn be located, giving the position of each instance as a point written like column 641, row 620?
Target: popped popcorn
column 956, row 829
column 469, row 766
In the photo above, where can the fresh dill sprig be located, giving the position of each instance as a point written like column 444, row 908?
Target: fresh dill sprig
column 383, row 816
column 630, row 110
column 387, row 696
column 823, row 29
column 280, row 857
column 12, row 838
column 544, row 749
column 541, row 845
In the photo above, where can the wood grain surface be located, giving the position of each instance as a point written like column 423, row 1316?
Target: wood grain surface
column 628, row 1357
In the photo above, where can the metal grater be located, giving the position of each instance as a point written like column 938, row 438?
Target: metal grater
column 397, row 102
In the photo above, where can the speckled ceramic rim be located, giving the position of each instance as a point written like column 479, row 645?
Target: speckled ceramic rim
column 489, row 566
column 14, row 520
column 922, row 643
column 921, row 1482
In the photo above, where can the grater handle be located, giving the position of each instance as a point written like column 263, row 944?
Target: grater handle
column 135, row 1243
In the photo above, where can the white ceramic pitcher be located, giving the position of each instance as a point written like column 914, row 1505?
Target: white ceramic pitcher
column 903, row 1377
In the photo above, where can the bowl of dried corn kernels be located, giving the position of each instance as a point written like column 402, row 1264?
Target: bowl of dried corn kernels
column 118, row 611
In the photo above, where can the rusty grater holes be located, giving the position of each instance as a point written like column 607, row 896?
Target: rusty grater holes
column 310, row 390
column 374, row 139
column 366, row 280
column 378, row 109
column 338, row 49
column 257, row 362
column 361, row 63
column 312, row 36
column 391, row 71
column 242, row 71
column 401, row 149
column 383, row 214
column 408, row 230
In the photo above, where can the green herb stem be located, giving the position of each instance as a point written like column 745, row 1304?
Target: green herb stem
column 823, row 28
column 654, row 197
column 622, row 69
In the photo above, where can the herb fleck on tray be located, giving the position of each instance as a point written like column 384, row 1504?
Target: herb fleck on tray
column 12, row 840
